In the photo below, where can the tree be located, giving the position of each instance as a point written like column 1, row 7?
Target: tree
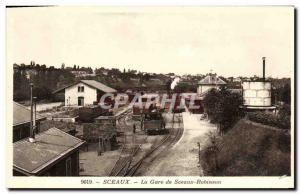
column 286, row 94
column 184, row 87
column 32, row 63
column 211, row 103
column 223, row 107
column 45, row 81
column 21, row 86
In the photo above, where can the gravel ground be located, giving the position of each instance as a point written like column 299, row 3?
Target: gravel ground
column 182, row 158
column 95, row 165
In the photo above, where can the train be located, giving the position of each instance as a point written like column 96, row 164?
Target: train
column 142, row 105
column 153, row 123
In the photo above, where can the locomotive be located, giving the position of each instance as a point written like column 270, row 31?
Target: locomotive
column 153, row 123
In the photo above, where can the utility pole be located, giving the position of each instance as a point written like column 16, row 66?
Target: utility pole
column 99, row 146
column 34, row 116
column 31, row 137
column 199, row 154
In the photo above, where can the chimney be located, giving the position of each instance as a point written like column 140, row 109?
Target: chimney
column 31, row 138
column 264, row 68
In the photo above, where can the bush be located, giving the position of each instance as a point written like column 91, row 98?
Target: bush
column 280, row 121
column 249, row 150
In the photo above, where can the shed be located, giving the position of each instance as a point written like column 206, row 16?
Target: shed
column 21, row 122
column 54, row 153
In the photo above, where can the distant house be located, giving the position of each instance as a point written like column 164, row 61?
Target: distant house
column 21, row 122
column 54, row 153
column 208, row 82
column 82, row 73
column 84, row 92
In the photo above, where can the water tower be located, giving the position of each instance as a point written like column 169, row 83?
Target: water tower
column 257, row 94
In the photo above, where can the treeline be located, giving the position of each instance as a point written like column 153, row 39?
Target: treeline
column 45, row 80
column 126, row 75
column 131, row 79
column 183, row 87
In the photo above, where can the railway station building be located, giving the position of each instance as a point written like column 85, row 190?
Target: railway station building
column 84, row 93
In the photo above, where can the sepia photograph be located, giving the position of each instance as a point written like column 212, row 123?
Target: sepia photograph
column 150, row 97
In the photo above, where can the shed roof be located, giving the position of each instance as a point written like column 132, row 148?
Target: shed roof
column 50, row 146
column 21, row 114
column 211, row 79
column 92, row 83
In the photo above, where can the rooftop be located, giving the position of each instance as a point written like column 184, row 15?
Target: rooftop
column 99, row 86
column 21, row 114
column 211, row 79
column 50, row 146
column 92, row 83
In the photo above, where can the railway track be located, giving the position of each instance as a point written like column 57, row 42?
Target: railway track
column 138, row 168
column 125, row 167
column 123, row 163
column 128, row 150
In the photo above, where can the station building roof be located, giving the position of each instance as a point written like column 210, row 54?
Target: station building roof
column 49, row 147
column 92, row 83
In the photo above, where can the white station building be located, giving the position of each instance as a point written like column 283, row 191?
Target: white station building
column 84, row 92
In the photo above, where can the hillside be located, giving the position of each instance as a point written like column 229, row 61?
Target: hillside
column 249, row 149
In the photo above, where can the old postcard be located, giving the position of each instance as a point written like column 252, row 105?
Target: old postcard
column 150, row 97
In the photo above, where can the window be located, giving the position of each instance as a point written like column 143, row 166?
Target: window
column 80, row 88
column 69, row 167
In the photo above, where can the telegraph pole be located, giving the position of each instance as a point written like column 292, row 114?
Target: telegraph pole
column 31, row 137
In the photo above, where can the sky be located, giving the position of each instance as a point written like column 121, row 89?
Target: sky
column 230, row 41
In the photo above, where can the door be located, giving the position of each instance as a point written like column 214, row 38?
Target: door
column 69, row 167
column 80, row 101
